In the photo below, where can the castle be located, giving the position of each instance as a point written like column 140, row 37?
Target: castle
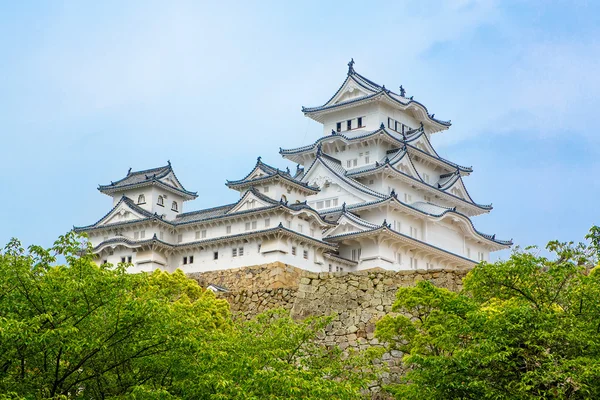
column 372, row 192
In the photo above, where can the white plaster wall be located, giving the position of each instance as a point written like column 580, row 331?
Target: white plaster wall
column 369, row 112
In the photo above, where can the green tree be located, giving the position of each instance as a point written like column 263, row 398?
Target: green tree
column 86, row 331
column 524, row 328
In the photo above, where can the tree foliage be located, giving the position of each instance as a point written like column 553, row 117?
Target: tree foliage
column 524, row 328
column 88, row 331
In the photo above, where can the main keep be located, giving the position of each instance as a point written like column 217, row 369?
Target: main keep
column 372, row 192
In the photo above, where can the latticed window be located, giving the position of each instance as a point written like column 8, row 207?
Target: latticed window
column 141, row 199
column 160, row 201
column 174, row 206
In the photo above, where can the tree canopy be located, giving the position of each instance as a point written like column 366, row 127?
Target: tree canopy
column 524, row 328
column 88, row 331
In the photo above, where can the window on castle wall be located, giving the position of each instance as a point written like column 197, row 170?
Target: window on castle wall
column 234, row 252
column 179, row 238
column 266, row 189
column 141, row 199
column 215, row 255
column 161, row 235
column 160, row 201
column 293, row 250
column 191, row 259
column 360, row 122
column 174, row 206
column 203, row 234
column 330, row 267
column 136, row 235
column 267, row 222
column 259, row 246
column 327, row 203
column 335, row 202
column 197, row 235
column 247, row 226
column 228, row 228
column 185, row 259
column 305, row 254
column 253, row 224
column 338, row 127
column 349, row 124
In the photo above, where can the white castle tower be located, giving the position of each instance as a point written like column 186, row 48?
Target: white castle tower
column 371, row 193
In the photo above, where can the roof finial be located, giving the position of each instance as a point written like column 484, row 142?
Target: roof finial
column 382, row 126
column 385, row 224
column 258, row 159
column 422, row 126
column 319, row 151
column 432, row 116
column 332, row 132
column 393, row 193
column 169, row 162
column 402, row 91
column 287, row 169
column 351, row 66
column 344, row 207
column 129, row 171
column 411, row 97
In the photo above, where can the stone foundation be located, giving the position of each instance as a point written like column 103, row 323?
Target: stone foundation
column 359, row 299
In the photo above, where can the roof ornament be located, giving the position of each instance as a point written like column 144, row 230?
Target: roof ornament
column 411, row 97
column 319, row 150
column 169, row 162
column 382, row 126
column 387, row 160
column 385, row 224
column 432, row 116
column 129, row 171
column 258, row 159
column 402, row 91
column 280, row 225
column 394, row 194
column 377, row 163
column 112, row 183
column 421, row 127
column 333, row 132
column 287, row 169
column 298, row 167
column 154, row 237
column 344, row 207
column 351, row 66
column 494, row 236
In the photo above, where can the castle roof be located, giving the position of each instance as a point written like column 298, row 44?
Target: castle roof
column 124, row 202
column 371, row 91
column 416, row 208
column 280, row 229
column 163, row 177
column 263, row 173
column 395, row 138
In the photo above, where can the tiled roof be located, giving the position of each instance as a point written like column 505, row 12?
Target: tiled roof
column 426, row 208
column 271, row 173
column 384, row 228
column 280, row 228
column 144, row 177
column 131, row 204
column 359, row 135
column 375, row 90
column 335, row 166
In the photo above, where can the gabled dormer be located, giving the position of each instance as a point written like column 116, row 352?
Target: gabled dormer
column 274, row 183
column 361, row 104
column 156, row 190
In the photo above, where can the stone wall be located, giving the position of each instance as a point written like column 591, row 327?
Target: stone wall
column 359, row 299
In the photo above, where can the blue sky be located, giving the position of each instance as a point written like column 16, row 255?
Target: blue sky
column 90, row 89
